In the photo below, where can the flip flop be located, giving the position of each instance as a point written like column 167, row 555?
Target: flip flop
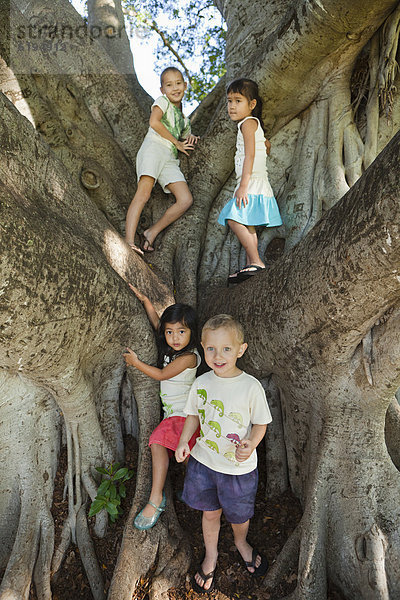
column 136, row 249
column 146, row 245
column 248, row 272
column 233, row 278
column 262, row 567
column 200, row 589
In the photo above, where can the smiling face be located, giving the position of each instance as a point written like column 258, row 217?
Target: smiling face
column 221, row 350
column 239, row 107
column 177, row 335
column 173, row 86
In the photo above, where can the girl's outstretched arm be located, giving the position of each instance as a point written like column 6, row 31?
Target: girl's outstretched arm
column 182, row 362
column 248, row 129
column 191, row 424
column 155, row 123
column 148, row 307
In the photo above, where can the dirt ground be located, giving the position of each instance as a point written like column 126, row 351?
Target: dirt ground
column 273, row 522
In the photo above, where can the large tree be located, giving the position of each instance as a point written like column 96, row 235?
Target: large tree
column 323, row 323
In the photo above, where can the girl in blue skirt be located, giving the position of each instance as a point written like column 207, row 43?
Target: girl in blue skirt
column 253, row 201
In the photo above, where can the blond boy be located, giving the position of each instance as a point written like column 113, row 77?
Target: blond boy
column 222, row 475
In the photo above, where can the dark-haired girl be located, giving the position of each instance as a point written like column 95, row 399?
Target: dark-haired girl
column 178, row 359
column 253, row 202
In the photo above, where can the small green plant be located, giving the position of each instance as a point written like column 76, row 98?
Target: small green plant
column 111, row 490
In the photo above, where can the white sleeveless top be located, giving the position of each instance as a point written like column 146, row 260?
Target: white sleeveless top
column 259, row 183
column 174, row 392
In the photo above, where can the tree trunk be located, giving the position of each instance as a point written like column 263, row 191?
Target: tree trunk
column 333, row 385
column 322, row 323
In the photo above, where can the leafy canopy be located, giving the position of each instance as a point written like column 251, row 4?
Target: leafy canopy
column 191, row 34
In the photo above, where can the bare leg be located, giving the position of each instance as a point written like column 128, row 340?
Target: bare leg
column 142, row 195
column 183, row 201
column 247, row 236
column 211, row 524
column 160, row 463
column 240, row 536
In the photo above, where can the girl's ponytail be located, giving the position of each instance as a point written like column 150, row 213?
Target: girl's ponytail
column 257, row 110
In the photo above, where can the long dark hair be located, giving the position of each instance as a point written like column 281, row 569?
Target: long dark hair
column 176, row 313
column 249, row 89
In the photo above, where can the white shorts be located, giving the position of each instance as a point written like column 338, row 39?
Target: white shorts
column 156, row 160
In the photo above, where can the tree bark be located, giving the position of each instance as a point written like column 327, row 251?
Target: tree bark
column 322, row 323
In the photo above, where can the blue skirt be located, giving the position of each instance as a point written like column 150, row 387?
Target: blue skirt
column 261, row 210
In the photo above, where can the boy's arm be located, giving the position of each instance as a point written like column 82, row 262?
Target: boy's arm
column 247, row 446
column 191, row 424
column 148, row 307
column 156, row 124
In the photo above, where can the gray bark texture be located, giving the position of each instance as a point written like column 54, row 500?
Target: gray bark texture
column 322, row 323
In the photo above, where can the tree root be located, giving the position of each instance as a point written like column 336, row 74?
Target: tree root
column 28, row 470
column 72, row 529
column 286, row 562
column 388, row 66
column 303, row 207
column 392, row 432
column 31, row 554
column 88, row 555
column 276, row 469
column 372, row 109
column 308, row 542
column 43, row 562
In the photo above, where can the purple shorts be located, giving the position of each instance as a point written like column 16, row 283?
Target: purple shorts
column 206, row 490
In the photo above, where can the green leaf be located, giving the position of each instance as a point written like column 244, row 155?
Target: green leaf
column 129, row 475
column 111, row 508
column 96, row 506
column 113, row 468
column 116, row 501
column 121, row 473
column 102, row 470
column 103, row 498
column 122, row 490
column 103, row 487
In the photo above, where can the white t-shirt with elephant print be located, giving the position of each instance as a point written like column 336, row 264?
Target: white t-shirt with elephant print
column 227, row 408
